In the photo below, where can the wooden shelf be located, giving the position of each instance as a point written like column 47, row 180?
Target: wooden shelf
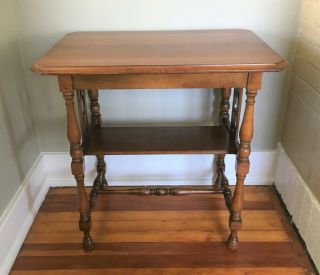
column 159, row 140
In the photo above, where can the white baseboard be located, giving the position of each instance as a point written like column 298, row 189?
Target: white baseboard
column 300, row 202
column 16, row 220
column 160, row 169
column 53, row 169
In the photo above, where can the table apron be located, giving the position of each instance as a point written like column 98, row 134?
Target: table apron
column 161, row 81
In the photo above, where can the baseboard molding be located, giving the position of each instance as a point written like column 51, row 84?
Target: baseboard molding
column 16, row 220
column 300, row 202
column 160, row 169
column 53, row 169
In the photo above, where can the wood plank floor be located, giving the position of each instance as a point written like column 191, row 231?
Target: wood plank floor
column 162, row 235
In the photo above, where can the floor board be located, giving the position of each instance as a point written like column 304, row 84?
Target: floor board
column 162, row 235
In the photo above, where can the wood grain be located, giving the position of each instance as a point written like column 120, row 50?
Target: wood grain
column 159, row 225
column 156, row 241
column 123, row 248
column 167, row 271
column 249, row 257
column 127, row 215
column 61, row 203
column 159, row 52
column 160, row 81
column 159, row 140
column 160, row 59
column 253, row 193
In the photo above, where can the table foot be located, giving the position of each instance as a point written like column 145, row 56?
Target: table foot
column 87, row 242
column 232, row 241
column 85, row 226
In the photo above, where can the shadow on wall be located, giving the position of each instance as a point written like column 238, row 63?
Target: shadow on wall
column 15, row 106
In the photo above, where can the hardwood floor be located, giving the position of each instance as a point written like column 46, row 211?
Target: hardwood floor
column 162, row 235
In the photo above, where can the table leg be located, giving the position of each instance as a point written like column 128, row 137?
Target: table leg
column 100, row 181
column 96, row 122
column 94, row 108
column 223, row 181
column 224, row 119
column 76, row 152
column 242, row 168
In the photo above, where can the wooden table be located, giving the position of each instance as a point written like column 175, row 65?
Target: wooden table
column 232, row 60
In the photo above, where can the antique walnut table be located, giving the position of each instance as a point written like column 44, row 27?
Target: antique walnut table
column 232, row 60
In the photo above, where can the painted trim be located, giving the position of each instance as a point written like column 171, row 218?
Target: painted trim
column 300, row 202
column 160, row 169
column 18, row 217
column 53, row 169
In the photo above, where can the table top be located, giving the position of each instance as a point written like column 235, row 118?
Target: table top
column 138, row 52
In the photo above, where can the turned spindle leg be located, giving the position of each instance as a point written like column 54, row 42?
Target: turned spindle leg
column 223, row 181
column 76, row 153
column 100, row 181
column 101, row 169
column 219, row 167
column 242, row 168
column 94, row 108
column 223, row 120
column 225, row 107
column 96, row 122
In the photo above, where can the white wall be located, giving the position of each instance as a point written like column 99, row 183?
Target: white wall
column 301, row 135
column 297, row 169
column 32, row 113
column 41, row 23
column 18, row 142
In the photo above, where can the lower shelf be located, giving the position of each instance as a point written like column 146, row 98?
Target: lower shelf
column 159, row 140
